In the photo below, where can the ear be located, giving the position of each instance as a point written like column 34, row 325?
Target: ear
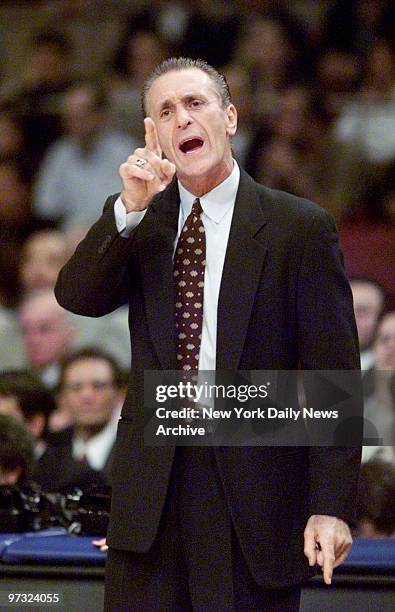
column 231, row 118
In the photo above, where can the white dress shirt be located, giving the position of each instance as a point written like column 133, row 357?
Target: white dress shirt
column 97, row 449
column 69, row 176
column 218, row 205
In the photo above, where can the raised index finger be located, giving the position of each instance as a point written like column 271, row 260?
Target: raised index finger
column 151, row 137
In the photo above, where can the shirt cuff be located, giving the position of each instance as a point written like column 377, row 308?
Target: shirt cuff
column 126, row 221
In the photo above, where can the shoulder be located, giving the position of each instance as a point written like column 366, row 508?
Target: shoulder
column 286, row 209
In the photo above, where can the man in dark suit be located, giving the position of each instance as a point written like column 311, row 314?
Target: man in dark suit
column 91, row 390
column 24, row 396
column 225, row 528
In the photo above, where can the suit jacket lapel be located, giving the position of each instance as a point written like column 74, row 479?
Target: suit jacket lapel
column 240, row 278
column 155, row 250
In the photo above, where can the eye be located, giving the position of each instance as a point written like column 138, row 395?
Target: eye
column 165, row 113
column 195, row 103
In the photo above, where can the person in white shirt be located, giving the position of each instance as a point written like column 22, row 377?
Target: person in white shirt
column 83, row 163
column 91, row 389
column 368, row 305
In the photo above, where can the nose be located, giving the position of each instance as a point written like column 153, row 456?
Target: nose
column 182, row 116
column 87, row 392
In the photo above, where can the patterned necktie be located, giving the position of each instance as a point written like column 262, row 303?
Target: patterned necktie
column 189, row 265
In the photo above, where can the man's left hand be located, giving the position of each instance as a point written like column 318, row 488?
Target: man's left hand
column 327, row 542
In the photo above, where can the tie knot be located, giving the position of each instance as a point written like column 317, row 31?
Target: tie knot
column 197, row 208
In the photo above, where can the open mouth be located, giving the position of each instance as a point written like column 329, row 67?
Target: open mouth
column 191, row 145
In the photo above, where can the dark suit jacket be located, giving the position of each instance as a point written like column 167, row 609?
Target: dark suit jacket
column 60, row 449
column 57, row 471
column 284, row 302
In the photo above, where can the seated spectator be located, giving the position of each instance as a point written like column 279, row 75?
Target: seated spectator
column 337, row 77
column 24, row 397
column 367, row 233
column 91, row 387
column 38, row 97
column 12, row 353
column 11, row 135
column 368, row 305
column 376, row 500
column 384, row 344
column 16, row 223
column 212, row 32
column 82, row 168
column 295, row 152
column 16, row 451
column 369, row 120
column 169, row 20
column 379, row 403
column 135, row 59
column 240, row 87
column 47, row 331
column 271, row 49
column 43, row 255
column 351, row 25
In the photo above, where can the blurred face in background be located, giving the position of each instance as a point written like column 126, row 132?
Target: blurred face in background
column 269, row 44
column 144, row 52
column 81, row 116
column 8, row 476
column 239, row 85
column 89, row 392
column 46, row 328
column 45, row 66
column 43, row 255
column 11, row 137
column 14, row 195
column 368, row 304
column 379, row 74
column 293, row 115
column 384, row 345
column 9, row 406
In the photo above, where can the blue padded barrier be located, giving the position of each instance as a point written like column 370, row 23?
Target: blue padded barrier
column 57, row 550
column 6, row 539
column 57, row 547
column 373, row 555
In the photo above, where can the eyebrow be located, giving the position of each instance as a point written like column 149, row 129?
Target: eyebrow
column 187, row 98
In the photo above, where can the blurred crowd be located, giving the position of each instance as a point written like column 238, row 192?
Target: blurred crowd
column 314, row 86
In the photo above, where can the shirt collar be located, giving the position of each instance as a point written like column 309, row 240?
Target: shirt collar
column 216, row 202
column 98, row 445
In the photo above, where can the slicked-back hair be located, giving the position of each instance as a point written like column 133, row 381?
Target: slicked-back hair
column 176, row 64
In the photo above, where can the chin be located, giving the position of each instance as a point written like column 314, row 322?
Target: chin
column 195, row 168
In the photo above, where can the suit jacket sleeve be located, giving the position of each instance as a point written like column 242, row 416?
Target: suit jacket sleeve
column 327, row 340
column 95, row 281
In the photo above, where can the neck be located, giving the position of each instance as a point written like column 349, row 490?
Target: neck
column 86, row 432
column 203, row 184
